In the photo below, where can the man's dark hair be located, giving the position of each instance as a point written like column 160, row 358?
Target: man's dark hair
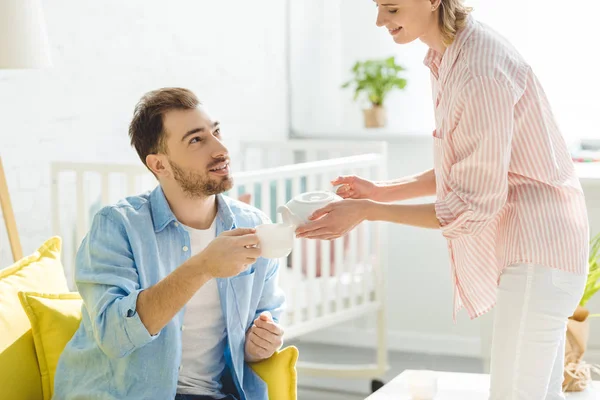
column 146, row 129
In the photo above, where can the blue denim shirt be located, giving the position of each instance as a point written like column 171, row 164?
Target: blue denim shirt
column 131, row 246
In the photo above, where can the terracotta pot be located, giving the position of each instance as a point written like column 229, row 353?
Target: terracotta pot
column 375, row 117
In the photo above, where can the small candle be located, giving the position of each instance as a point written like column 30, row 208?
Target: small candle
column 422, row 385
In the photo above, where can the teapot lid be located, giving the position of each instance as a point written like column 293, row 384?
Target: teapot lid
column 319, row 196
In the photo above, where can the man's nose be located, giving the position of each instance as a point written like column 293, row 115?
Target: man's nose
column 219, row 150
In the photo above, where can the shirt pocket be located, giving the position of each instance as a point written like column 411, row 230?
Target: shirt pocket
column 243, row 287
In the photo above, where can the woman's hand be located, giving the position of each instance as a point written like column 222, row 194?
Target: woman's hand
column 355, row 187
column 334, row 220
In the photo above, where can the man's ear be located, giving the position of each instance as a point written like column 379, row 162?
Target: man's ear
column 158, row 164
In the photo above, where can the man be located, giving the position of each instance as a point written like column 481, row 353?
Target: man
column 176, row 296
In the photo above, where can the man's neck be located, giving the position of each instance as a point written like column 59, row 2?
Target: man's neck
column 195, row 212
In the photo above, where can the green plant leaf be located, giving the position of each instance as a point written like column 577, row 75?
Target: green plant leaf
column 592, row 285
column 375, row 78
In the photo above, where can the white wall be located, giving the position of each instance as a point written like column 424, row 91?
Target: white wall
column 106, row 55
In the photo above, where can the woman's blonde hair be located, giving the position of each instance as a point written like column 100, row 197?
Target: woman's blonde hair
column 453, row 16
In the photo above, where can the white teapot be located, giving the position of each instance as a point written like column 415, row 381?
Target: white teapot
column 296, row 211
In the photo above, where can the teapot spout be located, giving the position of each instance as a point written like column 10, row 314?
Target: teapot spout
column 287, row 216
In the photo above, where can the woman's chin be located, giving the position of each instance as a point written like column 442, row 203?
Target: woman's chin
column 401, row 38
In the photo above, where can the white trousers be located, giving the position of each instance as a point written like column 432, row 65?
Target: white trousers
column 528, row 345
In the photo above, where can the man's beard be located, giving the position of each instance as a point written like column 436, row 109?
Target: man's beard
column 195, row 184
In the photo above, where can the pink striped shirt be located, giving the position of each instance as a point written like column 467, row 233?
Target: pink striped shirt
column 506, row 187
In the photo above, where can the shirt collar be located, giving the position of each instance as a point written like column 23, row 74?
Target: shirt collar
column 441, row 65
column 162, row 214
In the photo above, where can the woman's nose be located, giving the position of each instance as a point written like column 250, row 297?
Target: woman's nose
column 380, row 20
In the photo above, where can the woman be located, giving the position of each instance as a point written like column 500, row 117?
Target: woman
column 508, row 200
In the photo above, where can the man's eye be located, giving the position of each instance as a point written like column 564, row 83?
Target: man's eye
column 195, row 139
column 392, row 11
column 217, row 132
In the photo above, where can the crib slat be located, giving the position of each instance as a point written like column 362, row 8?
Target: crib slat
column 364, row 239
column 296, row 186
column 365, row 260
column 265, row 197
column 325, row 259
column 130, row 184
column 352, row 261
column 297, row 258
column 313, row 284
column 281, row 200
column 297, row 262
column 311, row 270
column 104, row 191
column 250, row 190
column 325, row 275
column 339, row 272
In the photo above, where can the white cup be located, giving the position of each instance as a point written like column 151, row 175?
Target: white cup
column 422, row 385
column 275, row 240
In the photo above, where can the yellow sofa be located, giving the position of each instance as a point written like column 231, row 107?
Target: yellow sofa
column 38, row 316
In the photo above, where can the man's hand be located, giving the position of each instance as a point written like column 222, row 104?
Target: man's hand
column 227, row 255
column 263, row 338
column 230, row 253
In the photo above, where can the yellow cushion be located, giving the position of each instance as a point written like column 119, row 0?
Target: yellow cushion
column 279, row 373
column 41, row 271
column 54, row 319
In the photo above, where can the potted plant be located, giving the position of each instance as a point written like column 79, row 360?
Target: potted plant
column 375, row 79
column 577, row 372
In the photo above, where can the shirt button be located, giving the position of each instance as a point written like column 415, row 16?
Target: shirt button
column 176, row 224
column 180, row 368
column 185, row 248
column 182, row 328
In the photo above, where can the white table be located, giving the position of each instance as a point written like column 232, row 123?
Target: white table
column 461, row 386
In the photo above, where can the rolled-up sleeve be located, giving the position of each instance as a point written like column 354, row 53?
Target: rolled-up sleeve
column 481, row 145
column 272, row 298
column 107, row 279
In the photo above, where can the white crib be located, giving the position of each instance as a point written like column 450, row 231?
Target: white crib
column 326, row 283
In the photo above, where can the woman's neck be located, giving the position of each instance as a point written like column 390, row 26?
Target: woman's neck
column 433, row 36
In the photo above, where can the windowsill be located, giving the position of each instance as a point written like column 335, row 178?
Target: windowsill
column 587, row 172
column 368, row 134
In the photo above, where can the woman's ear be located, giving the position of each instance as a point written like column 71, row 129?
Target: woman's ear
column 435, row 4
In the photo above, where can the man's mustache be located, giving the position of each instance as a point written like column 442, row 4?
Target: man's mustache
column 217, row 162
